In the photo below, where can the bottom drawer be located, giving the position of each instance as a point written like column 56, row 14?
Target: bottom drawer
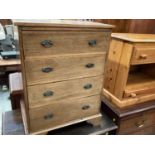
column 53, row 115
column 137, row 122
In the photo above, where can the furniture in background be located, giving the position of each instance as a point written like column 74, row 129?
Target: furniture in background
column 7, row 67
column 12, row 124
column 62, row 67
column 133, row 120
column 16, row 89
column 129, row 74
column 9, row 55
column 10, row 65
column 131, row 25
column 6, row 22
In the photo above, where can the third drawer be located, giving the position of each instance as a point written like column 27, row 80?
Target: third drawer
column 52, row 93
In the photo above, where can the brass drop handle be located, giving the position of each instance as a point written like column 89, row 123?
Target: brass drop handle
column 47, row 43
column 88, row 86
column 140, row 124
column 47, row 69
column 143, row 56
column 48, row 93
column 133, row 95
column 90, row 65
column 48, row 116
column 92, row 43
column 86, row 107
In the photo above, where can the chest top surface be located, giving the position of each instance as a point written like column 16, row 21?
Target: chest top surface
column 61, row 23
column 135, row 38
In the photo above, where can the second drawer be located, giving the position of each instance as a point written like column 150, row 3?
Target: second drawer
column 52, row 69
column 54, row 92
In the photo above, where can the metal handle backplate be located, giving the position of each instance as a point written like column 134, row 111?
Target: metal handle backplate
column 86, row 107
column 92, row 43
column 48, row 93
column 48, row 116
column 88, row 86
column 47, row 69
column 89, row 65
column 47, row 43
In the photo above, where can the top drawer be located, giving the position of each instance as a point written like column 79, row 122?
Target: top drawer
column 58, row 42
column 143, row 55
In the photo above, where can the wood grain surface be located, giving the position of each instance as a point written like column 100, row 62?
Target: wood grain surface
column 63, row 90
column 61, row 61
column 63, row 42
column 63, row 67
column 11, row 62
column 112, row 64
column 135, row 38
column 143, row 54
column 63, row 112
column 60, row 23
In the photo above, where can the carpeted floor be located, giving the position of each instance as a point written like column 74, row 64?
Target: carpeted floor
column 5, row 104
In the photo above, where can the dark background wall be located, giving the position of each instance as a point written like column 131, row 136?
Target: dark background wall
column 131, row 25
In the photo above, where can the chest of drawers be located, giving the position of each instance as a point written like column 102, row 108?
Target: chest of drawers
column 130, row 71
column 63, row 71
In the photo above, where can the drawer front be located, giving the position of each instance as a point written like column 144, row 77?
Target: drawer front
column 137, row 122
column 63, row 68
column 143, row 55
column 63, row 112
column 54, row 92
column 138, row 93
column 147, row 131
column 53, row 42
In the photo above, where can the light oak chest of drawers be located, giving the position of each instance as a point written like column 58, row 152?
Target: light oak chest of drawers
column 63, row 71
